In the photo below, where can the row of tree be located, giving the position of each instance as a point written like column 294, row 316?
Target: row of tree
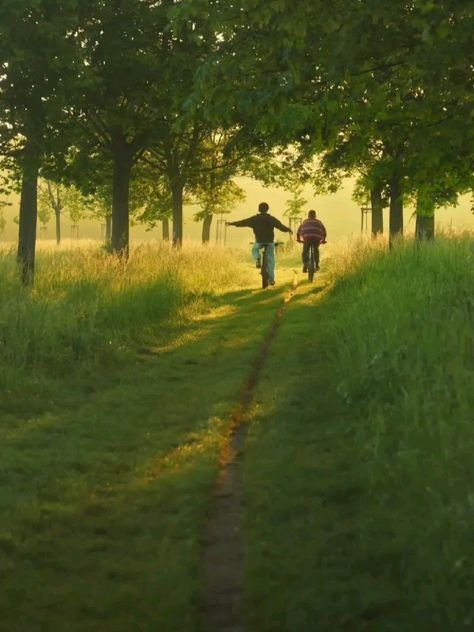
column 182, row 95
column 383, row 90
column 148, row 203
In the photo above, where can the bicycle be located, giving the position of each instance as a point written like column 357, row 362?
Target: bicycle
column 312, row 266
column 264, row 262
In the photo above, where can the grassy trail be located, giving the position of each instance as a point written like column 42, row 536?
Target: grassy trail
column 103, row 502
column 304, row 492
column 342, row 423
column 222, row 586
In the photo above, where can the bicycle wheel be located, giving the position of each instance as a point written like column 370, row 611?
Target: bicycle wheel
column 311, row 264
column 264, row 269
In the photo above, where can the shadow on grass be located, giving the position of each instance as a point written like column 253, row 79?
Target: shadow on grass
column 102, row 505
column 304, row 494
column 326, row 552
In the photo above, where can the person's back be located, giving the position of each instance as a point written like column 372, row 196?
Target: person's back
column 263, row 225
column 311, row 232
column 312, row 229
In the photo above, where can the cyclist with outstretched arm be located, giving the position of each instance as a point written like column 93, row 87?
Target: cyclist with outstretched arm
column 311, row 231
column 263, row 225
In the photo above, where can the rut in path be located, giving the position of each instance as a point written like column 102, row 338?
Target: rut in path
column 223, row 540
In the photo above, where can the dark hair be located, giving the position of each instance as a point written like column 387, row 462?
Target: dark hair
column 312, row 214
column 263, row 207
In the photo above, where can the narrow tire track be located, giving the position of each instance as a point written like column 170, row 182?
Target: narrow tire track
column 223, row 546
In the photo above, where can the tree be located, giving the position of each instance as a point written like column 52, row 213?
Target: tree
column 403, row 117
column 5, row 188
column 119, row 46
column 99, row 205
column 54, row 197
column 3, row 222
column 295, row 205
column 214, row 189
column 36, row 60
column 44, row 214
column 368, row 82
column 154, row 198
column 216, row 199
column 50, row 201
column 139, row 62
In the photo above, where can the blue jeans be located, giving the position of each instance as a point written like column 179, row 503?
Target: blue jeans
column 270, row 259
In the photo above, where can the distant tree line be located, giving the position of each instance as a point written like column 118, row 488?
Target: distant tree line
column 143, row 103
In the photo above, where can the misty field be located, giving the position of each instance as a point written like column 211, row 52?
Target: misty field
column 118, row 384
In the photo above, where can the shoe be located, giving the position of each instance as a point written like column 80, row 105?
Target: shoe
column 271, row 283
column 258, row 263
column 305, row 268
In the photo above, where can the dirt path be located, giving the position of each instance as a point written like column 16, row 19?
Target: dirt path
column 223, row 539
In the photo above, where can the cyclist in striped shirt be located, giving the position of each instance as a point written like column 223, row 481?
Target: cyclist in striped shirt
column 311, row 231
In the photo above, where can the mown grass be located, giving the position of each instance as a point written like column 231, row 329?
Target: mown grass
column 109, row 455
column 358, row 466
column 360, row 462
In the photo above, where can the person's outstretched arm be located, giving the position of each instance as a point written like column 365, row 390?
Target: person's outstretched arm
column 241, row 222
column 280, row 226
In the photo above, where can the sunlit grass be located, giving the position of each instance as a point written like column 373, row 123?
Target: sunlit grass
column 118, row 384
column 87, row 306
column 108, row 464
column 404, row 358
column 361, row 459
column 175, row 462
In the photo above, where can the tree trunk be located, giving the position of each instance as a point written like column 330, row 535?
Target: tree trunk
column 396, row 209
column 28, row 214
column 108, row 228
column 425, row 227
column 425, row 216
column 177, row 192
column 120, row 200
column 165, row 229
column 57, row 216
column 377, row 211
column 206, row 228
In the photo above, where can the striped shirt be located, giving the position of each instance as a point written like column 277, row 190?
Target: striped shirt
column 311, row 229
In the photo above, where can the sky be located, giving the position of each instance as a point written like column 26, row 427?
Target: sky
column 340, row 214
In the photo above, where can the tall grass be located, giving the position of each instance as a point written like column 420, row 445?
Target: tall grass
column 106, row 479
column 86, row 305
column 402, row 347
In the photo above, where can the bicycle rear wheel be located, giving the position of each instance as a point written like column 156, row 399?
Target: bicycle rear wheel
column 311, row 264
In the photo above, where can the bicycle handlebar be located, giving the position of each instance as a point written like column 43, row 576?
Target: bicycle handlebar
column 301, row 241
column 272, row 243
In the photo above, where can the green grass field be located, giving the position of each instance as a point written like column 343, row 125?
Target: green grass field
column 359, row 466
column 118, row 384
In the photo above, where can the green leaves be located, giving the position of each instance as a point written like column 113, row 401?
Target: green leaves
column 375, row 86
